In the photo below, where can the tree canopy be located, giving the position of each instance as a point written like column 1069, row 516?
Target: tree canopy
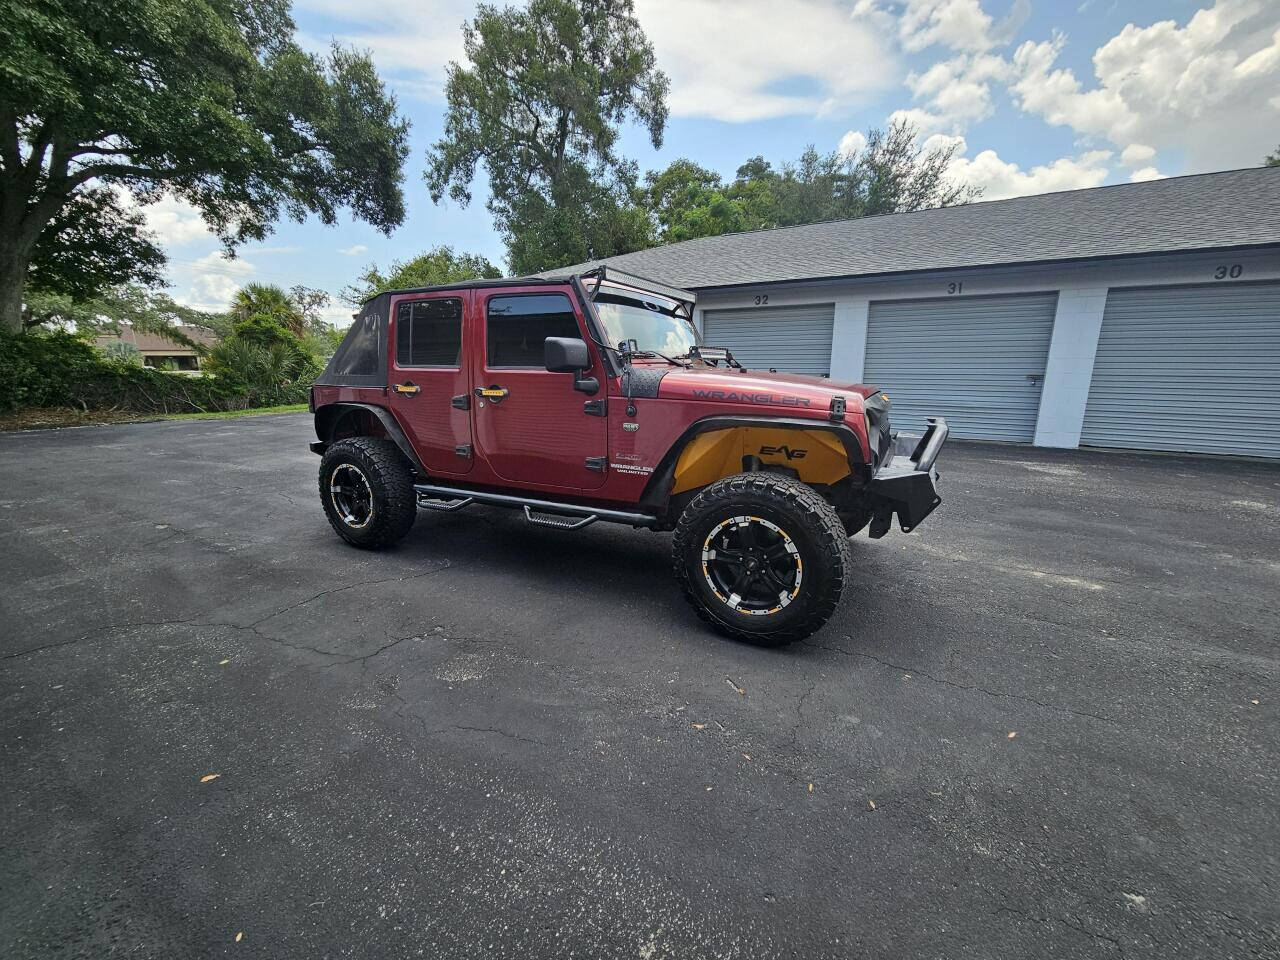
column 439, row 265
column 210, row 100
column 891, row 174
column 1274, row 159
column 539, row 105
column 91, row 245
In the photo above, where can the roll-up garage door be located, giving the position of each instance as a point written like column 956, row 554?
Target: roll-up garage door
column 1188, row 368
column 790, row 339
column 978, row 361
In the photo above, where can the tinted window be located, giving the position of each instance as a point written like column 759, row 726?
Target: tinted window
column 429, row 333
column 360, row 352
column 518, row 326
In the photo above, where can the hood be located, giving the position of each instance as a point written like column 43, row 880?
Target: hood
column 791, row 391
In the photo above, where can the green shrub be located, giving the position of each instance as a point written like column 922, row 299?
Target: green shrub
column 123, row 350
column 63, row 370
column 262, row 329
column 267, row 375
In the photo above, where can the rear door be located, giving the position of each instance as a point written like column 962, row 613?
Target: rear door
column 533, row 426
column 430, row 384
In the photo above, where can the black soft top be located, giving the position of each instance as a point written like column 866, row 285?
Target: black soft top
column 361, row 358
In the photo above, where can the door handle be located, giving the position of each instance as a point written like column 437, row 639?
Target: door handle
column 407, row 389
column 493, row 393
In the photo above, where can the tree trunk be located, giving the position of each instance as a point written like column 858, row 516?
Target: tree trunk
column 13, row 275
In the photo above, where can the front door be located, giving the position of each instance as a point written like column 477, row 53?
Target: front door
column 533, row 426
column 430, row 387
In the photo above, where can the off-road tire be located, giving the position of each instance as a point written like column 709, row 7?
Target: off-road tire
column 393, row 503
column 792, row 507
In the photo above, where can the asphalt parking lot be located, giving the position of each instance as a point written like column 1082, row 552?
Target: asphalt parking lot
column 1044, row 725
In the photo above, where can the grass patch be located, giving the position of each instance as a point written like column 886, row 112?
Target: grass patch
column 43, row 418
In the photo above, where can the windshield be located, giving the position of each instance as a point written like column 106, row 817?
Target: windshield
column 648, row 319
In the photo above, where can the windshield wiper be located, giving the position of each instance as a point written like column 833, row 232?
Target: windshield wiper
column 675, row 362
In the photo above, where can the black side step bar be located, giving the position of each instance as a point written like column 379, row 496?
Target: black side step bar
column 432, row 496
column 444, row 506
column 559, row 521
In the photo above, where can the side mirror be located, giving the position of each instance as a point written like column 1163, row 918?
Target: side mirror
column 565, row 355
column 570, row 355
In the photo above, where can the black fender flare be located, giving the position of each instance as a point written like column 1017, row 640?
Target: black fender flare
column 657, row 491
column 331, row 414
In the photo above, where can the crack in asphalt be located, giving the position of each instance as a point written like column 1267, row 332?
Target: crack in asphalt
column 994, row 694
column 795, row 731
column 496, row 730
column 447, row 565
column 105, row 628
column 254, row 626
column 1075, row 925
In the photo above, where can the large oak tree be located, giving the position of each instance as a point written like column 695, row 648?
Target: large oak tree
column 211, row 100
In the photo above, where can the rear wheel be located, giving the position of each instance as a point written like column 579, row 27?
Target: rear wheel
column 761, row 557
column 367, row 491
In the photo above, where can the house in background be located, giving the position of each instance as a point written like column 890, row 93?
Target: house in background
column 159, row 352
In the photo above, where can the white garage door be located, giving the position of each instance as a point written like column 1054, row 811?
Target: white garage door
column 791, row 339
column 1188, row 368
column 978, row 361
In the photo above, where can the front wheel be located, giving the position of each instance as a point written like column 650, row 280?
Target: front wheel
column 762, row 558
column 367, row 492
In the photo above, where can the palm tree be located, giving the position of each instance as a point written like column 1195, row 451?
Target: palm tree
column 266, row 298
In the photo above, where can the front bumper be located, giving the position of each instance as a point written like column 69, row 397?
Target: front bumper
column 908, row 485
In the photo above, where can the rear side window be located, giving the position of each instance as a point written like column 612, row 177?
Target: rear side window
column 518, row 326
column 360, row 352
column 429, row 333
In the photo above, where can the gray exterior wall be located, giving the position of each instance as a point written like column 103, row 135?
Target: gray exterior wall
column 1082, row 295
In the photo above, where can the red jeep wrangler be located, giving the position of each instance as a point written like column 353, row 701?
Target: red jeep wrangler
column 590, row 397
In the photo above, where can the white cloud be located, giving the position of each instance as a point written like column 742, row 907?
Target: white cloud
column 957, row 92
column 743, row 60
column 411, row 45
column 354, row 250
column 1146, row 173
column 959, row 25
column 1206, row 87
column 851, row 143
column 1136, row 154
column 174, row 222
column 1000, row 179
column 734, row 60
column 209, row 283
column 954, row 92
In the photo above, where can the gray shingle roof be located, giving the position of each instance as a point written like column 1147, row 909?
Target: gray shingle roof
column 1231, row 209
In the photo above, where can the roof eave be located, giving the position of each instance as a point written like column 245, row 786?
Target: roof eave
column 925, row 271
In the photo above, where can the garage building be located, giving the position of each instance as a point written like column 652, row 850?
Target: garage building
column 1141, row 315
